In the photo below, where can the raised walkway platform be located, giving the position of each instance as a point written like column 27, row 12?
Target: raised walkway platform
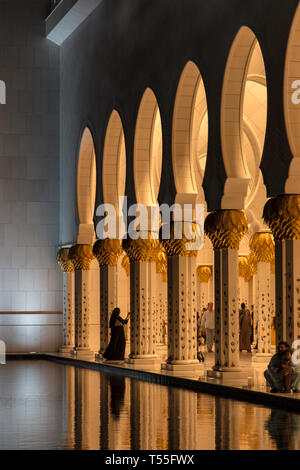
column 248, row 385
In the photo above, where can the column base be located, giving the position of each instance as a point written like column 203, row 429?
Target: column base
column 144, row 362
column 186, row 368
column 261, row 357
column 222, row 372
column 66, row 349
column 162, row 351
column 81, row 353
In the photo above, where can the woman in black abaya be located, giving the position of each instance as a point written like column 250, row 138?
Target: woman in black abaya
column 116, row 348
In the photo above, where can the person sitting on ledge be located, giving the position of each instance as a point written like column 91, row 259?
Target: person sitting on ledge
column 273, row 374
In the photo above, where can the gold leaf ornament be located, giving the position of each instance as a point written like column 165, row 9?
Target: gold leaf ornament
column 226, row 228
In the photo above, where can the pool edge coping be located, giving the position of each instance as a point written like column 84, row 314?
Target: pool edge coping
column 226, row 391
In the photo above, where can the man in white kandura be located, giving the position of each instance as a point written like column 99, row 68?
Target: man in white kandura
column 208, row 322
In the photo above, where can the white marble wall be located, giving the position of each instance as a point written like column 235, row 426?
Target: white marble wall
column 31, row 332
column 30, row 279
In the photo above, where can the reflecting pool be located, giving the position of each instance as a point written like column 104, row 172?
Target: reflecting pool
column 45, row 405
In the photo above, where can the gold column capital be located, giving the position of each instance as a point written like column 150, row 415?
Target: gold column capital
column 81, row 256
column 162, row 265
column 226, row 228
column 108, row 251
column 251, row 266
column 63, row 260
column 126, row 265
column 263, row 246
column 142, row 249
column 204, row 273
column 177, row 246
column 243, row 266
column 282, row 215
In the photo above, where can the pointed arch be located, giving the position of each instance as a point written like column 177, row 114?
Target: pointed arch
column 243, row 106
column 86, row 188
column 114, row 161
column 189, row 135
column 148, row 150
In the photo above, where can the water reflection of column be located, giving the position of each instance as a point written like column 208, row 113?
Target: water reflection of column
column 227, row 424
column 162, row 412
column 87, row 414
column 69, row 407
column 104, row 413
column 116, row 405
column 68, row 300
column 78, row 409
column 142, row 416
column 182, row 419
column 262, row 416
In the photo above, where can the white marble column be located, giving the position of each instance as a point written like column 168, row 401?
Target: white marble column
column 292, row 290
column 161, row 305
column 142, row 254
column 107, row 253
column 204, row 274
column 262, row 245
column 125, row 266
column 282, row 214
column 68, row 300
column 81, row 257
column 225, row 230
column 243, row 284
column 182, row 305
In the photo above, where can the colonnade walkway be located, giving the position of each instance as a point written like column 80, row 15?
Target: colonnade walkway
column 248, row 384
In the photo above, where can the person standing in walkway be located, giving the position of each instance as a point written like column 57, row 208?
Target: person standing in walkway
column 242, row 309
column 208, row 322
column 245, row 331
column 116, row 348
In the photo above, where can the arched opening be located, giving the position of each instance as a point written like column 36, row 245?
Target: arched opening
column 148, row 150
column 86, row 188
column 243, row 120
column 114, row 162
column 113, row 184
column 190, row 136
column 292, row 104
